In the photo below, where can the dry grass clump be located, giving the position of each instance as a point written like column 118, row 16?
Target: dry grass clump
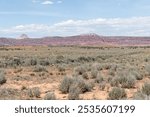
column 126, row 79
column 147, row 69
column 9, row 94
column 102, row 85
column 61, row 68
column 39, row 68
column 74, row 92
column 33, row 62
column 2, row 77
column 140, row 96
column 50, row 96
column 65, row 84
column 114, row 82
column 99, row 78
column 117, row 94
column 146, row 89
column 94, row 73
column 80, row 70
column 85, row 75
column 34, row 92
column 75, row 86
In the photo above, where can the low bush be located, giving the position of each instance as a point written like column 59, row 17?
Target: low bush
column 44, row 62
column 114, row 82
column 2, row 77
column 85, row 75
column 94, row 73
column 40, row 68
column 140, row 96
column 102, row 85
column 111, row 72
column 128, row 82
column 61, row 68
column 76, row 81
column 50, row 96
column 147, row 69
column 34, row 92
column 99, row 78
column 146, row 89
column 135, row 72
column 33, row 61
column 9, row 94
column 80, row 83
column 74, row 92
column 80, row 70
column 16, row 61
column 65, row 84
column 117, row 94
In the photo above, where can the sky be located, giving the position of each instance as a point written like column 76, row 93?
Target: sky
column 39, row 18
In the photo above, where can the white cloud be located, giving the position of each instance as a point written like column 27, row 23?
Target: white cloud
column 47, row 2
column 111, row 22
column 136, row 26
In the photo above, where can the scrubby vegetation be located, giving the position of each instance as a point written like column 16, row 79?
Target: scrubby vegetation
column 74, row 72
column 2, row 78
column 117, row 94
column 50, row 96
column 34, row 92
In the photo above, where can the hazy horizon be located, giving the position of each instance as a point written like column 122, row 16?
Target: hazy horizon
column 40, row 18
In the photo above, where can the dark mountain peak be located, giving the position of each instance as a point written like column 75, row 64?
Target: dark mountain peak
column 23, row 36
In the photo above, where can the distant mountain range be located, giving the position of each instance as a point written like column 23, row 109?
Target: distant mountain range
column 85, row 39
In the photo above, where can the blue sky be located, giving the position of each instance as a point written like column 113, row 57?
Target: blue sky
column 39, row 18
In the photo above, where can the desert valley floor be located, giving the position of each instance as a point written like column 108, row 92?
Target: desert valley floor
column 74, row 72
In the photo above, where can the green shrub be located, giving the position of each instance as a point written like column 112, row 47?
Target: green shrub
column 85, row 75
column 146, row 89
column 2, row 78
column 74, row 92
column 77, row 82
column 44, row 62
column 107, row 66
column 147, row 69
column 16, row 61
column 140, row 96
column 33, row 62
column 99, row 78
column 111, row 72
column 109, row 79
column 114, row 82
column 102, row 85
column 65, row 84
column 50, row 96
column 61, row 68
column 80, row 83
column 34, row 92
column 128, row 82
column 89, row 86
column 137, row 74
column 117, row 94
column 9, row 94
column 94, row 73
column 113, row 67
column 40, row 68
column 80, row 70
